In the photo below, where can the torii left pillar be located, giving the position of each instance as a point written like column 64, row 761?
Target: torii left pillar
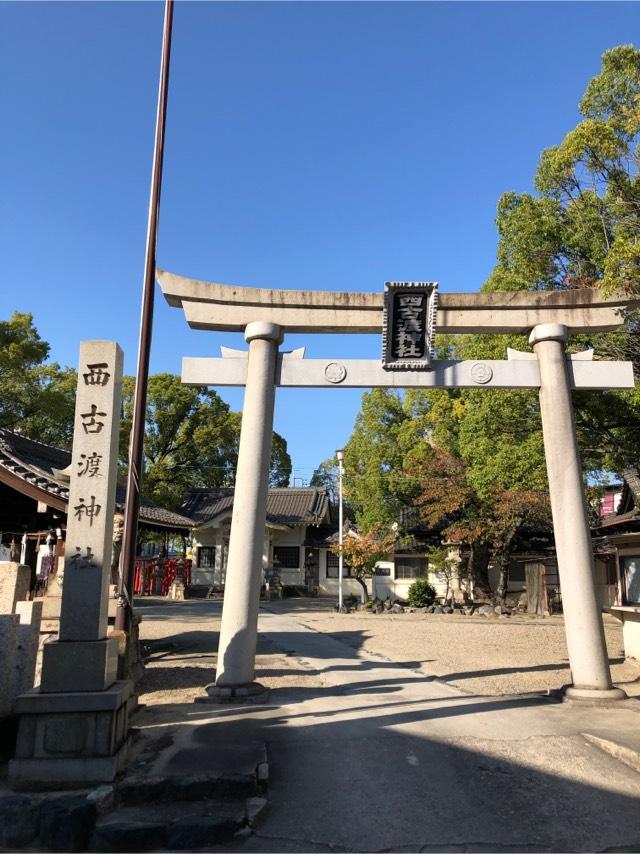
column 238, row 634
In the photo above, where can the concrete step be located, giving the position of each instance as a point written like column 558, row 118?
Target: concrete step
column 141, row 812
column 144, row 790
column 177, row 826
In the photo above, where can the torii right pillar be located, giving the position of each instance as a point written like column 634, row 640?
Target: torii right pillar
column 584, row 630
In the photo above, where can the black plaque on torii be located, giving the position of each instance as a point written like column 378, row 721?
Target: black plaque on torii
column 409, row 325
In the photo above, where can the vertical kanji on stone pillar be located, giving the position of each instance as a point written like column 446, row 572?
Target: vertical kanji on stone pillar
column 84, row 659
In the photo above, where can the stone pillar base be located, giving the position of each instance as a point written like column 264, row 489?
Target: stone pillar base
column 176, row 591
column 70, row 740
column 594, row 696
column 252, row 693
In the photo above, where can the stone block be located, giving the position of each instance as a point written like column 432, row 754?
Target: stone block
column 256, row 810
column 104, row 798
column 631, row 633
column 18, row 821
column 79, row 665
column 15, row 580
column 27, row 640
column 8, row 628
column 191, row 788
column 194, row 832
column 67, row 740
column 129, row 836
column 66, row 823
column 134, row 791
column 236, row 786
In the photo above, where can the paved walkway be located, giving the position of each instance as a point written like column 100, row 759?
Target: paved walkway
column 382, row 758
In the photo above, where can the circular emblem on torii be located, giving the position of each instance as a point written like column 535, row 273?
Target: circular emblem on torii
column 335, row 372
column 481, row 373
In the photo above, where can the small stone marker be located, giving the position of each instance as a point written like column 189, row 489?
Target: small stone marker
column 27, row 640
column 15, row 579
column 84, row 659
column 8, row 630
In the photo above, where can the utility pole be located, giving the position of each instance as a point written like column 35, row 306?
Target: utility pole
column 132, row 503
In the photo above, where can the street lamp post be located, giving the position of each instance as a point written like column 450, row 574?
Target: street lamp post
column 340, row 456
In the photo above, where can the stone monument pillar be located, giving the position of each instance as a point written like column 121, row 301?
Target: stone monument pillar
column 72, row 731
column 583, row 621
column 238, row 633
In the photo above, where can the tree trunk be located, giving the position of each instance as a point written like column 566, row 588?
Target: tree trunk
column 503, row 580
column 479, row 566
column 365, row 592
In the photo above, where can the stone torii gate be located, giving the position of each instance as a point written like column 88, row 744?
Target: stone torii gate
column 266, row 315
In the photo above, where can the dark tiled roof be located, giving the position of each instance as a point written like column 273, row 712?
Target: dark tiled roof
column 307, row 506
column 40, row 465
column 630, row 497
column 202, row 505
column 285, row 506
column 632, row 478
column 34, row 462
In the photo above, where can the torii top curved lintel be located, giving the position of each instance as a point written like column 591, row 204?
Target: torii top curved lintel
column 229, row 308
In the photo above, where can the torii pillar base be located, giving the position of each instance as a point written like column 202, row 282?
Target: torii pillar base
column 594, row 697
column 253, row 693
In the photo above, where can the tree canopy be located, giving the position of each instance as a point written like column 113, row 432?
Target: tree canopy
column 38, row 398
column 191, row 435
column 472, row 461
column 581, row 229
column 191, row 440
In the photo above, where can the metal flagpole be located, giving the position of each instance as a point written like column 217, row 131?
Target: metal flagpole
column 340, row 456
column 132, row 504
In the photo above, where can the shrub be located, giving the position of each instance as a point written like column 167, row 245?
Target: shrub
column 421, row 593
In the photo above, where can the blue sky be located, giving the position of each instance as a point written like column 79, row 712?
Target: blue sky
column 309, row 145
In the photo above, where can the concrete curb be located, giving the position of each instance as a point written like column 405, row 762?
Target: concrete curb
column 628, row 755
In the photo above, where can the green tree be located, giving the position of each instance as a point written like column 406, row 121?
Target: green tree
column 280, row 470
column 486, row 519
column 375, row 481
column 446, row 568
column 37, row 398
column 473, row 460
column 191, row 440
column 581, row 228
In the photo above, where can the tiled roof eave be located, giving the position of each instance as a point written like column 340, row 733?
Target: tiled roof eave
column 39, row 492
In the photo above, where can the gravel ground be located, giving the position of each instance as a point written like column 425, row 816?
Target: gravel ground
column 511, row 655
column 479, row 655
column 180, row 640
